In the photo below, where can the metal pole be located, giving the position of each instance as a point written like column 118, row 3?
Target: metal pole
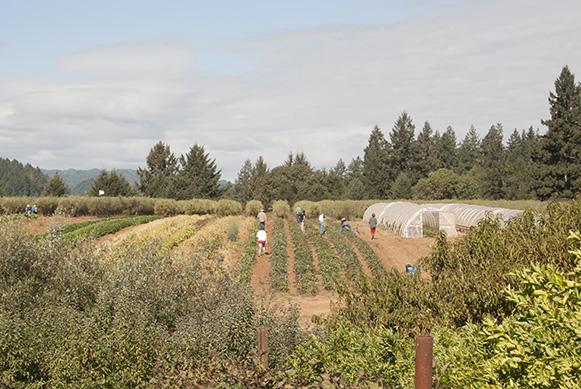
column 424, row 345
column 262, row 343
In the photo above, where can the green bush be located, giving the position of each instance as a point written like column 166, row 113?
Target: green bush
column 280, row 208
column 197, row 207
column 138, row 318
column 445, row 184
column 166, row 207
column 226, row 207
column 252, row 208
column 72, row 206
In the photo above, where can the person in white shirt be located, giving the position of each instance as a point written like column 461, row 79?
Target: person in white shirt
column 261, row 240
column 321, row 224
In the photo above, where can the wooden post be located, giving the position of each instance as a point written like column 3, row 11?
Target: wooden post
column 424, row 345
column 262, row 343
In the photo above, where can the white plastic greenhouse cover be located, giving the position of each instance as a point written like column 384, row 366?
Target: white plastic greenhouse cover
column 409, row 219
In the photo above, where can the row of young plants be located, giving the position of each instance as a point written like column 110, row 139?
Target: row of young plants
column 247, row 258
column 106, row 227
column 347, row 257
column 367, row 252
column 182, row 234
column 329, row 265
column 279, row 258
column 306, row 277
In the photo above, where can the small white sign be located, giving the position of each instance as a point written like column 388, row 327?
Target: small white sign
column 101, row 192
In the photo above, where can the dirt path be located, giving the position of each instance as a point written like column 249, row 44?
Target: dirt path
column 260, row 280
column 394, row 251
column 362, row 262
column 290, row 262
column 309, row 306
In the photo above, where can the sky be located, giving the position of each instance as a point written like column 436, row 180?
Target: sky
column 87, row 84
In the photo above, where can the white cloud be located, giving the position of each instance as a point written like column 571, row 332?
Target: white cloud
column 317, row 90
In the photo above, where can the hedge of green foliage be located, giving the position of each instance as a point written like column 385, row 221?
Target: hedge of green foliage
column 110, row 206
column 252, row 208
column 280, row 208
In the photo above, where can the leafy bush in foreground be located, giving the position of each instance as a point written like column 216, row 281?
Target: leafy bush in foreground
column 137, row 318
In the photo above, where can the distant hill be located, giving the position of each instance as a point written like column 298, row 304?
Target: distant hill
column 79, row 181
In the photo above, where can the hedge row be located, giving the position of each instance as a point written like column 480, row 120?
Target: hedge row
column 109, row 206
column 335, row 208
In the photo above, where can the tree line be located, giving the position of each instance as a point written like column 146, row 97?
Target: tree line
column 397, row 164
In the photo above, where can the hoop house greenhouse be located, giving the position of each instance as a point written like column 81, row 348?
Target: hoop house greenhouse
column 411, row 220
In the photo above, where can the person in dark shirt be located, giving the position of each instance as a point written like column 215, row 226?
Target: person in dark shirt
column 373, row 225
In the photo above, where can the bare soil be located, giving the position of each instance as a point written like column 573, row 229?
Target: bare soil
column 309, row 306
column 393, row 250
column 43, row 223
column 260, row 280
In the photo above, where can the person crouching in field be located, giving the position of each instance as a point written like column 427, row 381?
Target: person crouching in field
column 261, row 219
column 372, row 225
column 345, row 225
column 261, row 240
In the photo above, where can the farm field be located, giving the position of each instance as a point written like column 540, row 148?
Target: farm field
column 136, row 290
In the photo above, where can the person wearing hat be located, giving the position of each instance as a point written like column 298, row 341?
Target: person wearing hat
column 261, row 219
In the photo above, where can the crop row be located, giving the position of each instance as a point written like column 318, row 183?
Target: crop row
column 182, row 234
column 247, row 257
column 279, row 258
column 347, row 257
column 306, row 279
column 105, row 227
column 368, row 254
column 328, row 263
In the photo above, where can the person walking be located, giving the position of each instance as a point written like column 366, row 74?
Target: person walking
column 372, row 225
column 261, row 219
column 301, row 220
column 261, row 241
column 321, row 224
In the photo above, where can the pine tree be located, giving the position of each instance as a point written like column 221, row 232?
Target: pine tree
column 260, row 189
column 447, row 149
column 492, row 164
column 402, row 137
column 424, row 152
column 112, row 184
column 560, row 158
column 376, row 173
column 17, row 179
column 468, row 152
column 55, row 187
column 198, row 175
column 243, row 186
column 159, row 176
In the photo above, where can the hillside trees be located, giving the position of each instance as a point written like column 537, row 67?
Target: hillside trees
column 55, row 187
column 17, row 179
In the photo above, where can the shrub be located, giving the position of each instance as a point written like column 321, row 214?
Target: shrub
column 47, row 205
column 253, row 207
column 72, row 206
column 197, row 207
column 280, row 208
column 166, row 207
column 445, row 184
column 310, row 208
column 226, row 207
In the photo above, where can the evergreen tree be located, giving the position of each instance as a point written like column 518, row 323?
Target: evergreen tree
column 260, row 189
column 159, row 176
column 424, row 152
column 492, row 164
column 402, row 137
column 519, row 165
column 198, row 175
column 376, row 173
column 468, row 152
column 17, row 179
column 447, row 149
column 560, row 158
column 336, row 181
column 355, row 169
column 55, row 187
column 402, row 187
column 243, row 186
column 113, row 184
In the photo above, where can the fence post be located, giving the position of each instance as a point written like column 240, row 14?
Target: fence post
column 424, row 345
column 262, row 343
